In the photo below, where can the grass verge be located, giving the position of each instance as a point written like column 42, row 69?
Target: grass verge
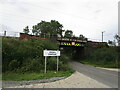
column 34, row 76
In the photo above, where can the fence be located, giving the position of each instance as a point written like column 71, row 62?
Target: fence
column 9, row 33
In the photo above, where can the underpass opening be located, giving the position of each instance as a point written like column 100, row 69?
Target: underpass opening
column 76, row 53
column 73, row 48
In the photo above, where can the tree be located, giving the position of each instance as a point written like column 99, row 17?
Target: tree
column 35, row 30
column 68, row 34
column 117, row 37
column 56, row 28
column 44, row 28
column 74, row 37
column 26, row 30
column 48, row 28
column 81, row 37
column 60, row 32
column 111, row 43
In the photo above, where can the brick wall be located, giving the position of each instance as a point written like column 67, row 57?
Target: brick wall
column 25, row 37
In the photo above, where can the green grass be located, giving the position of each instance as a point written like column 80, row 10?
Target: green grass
column 34, row 76
column 99, row 64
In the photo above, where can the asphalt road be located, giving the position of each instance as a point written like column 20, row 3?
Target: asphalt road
column 106, row 77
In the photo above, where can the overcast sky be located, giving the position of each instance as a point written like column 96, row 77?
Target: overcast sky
column 87, row 17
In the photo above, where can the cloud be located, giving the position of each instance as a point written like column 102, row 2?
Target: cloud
column 98, row 11
column 8, row 1
column 5, row 27
column 16, row 4
column 87, row 17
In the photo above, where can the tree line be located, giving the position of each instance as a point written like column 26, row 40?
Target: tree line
column 52, row 28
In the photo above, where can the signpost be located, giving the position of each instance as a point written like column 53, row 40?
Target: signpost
column 47, row 53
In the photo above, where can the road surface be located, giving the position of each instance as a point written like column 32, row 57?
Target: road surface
column 85, row 76
column 107, row 77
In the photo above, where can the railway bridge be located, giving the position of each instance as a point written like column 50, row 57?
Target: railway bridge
column 73, row 46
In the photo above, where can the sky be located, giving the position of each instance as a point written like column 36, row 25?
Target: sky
column 87, row 17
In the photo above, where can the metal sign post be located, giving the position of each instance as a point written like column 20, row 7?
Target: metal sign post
column 57, row 62
column 45, row 63
column 51, row 53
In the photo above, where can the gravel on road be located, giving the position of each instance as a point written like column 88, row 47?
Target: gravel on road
column 19, row 83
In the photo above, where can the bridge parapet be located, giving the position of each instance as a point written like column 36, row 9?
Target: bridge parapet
column 67, row 39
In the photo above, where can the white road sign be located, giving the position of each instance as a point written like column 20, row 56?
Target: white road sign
column 51, row 53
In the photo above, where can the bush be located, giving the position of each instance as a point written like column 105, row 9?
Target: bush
column 52, row 63
column 13, row 65
column 65, row 67
column 21, row 51
column 105, row 56
column 64, row 59
column 27, row 56
column 32, row 65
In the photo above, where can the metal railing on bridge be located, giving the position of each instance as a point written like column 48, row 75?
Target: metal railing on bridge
column 67, row 39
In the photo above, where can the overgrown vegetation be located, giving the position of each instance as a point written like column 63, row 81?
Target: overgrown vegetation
column 102, row 56
column 27, row 56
